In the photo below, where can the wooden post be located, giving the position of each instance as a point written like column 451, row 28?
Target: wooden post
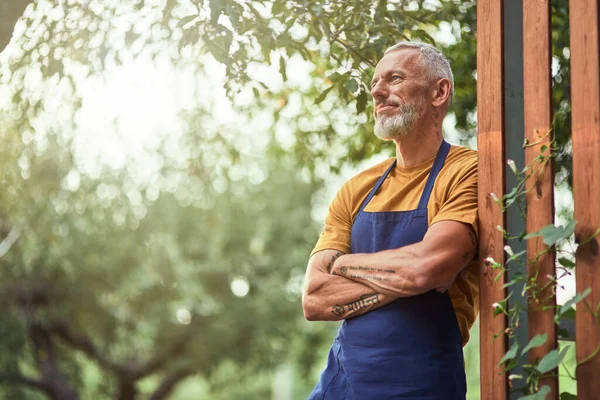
column 537, row 94
column 585, row 95
column 490, row 121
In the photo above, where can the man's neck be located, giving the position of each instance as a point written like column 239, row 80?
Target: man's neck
column 417, row 147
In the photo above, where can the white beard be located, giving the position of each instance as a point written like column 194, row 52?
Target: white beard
column 398, row 125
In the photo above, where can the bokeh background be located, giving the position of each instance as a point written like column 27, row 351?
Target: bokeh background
column 165, row 168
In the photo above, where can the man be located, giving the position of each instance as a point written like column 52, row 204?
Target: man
column 392, row 259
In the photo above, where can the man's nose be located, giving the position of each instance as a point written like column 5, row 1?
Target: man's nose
column 379, row 90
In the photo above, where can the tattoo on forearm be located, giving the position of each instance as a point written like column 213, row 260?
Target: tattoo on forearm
column 347, row 271
column 364, row 301
column 344, row 269
column 371, row 278
column 338, row 310
column 335, row 257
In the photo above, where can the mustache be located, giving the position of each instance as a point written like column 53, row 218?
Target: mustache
column 387, row 103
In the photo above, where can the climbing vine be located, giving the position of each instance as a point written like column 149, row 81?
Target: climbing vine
column 558, row 240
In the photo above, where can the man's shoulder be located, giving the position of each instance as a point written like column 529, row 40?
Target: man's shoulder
column 462, row 154
column 461, row 160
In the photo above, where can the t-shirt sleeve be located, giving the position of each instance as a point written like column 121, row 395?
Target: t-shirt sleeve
column 338, row 223
column 461, row 202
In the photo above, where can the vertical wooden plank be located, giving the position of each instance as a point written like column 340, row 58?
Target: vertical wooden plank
column 490, row 144
column 537, row 96
column 585, row 95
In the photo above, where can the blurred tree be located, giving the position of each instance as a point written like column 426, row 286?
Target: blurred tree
column 145, row 284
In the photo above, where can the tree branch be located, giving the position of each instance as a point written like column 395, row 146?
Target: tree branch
column 58, row 384
column 24, row 380
column 85, row 345
column 156, row 362
column 129, row 372
column 169, row 383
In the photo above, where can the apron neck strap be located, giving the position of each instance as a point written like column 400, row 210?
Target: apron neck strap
column 440, row 158
column 377, row 186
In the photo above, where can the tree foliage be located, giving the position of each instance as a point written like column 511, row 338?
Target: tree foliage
column 143, row 284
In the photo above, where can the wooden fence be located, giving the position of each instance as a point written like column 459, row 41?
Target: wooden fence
column 537, row 96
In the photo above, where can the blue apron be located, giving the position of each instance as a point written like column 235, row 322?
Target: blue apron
column 410, row 348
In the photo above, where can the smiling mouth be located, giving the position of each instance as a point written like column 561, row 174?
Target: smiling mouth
column 385, row 108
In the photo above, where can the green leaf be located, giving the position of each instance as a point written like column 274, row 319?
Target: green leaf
column 216, row 8
column 500, row 308
column 514, row 281
column 361, row 102
column 185, row 20
column 565, row 262
column 567, row 396
column 352, row 85
column 282, row 69
column 278, row 7
column 536, row 341
column 323, row 95
column 551, row 360
column 553, row 234
column 545, row 230
column 576, row 299
column 540, row 395
column 570, row 229
column 569, row 314
column 336, row 76
column 510, row 354
column 511, row 364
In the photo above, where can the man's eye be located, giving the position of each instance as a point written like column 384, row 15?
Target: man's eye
column 395, row 78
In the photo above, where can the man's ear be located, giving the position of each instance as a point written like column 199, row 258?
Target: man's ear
column 440, row 92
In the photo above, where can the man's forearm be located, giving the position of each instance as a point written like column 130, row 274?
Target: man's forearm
column 333, row 298
column 390, row 273
column 328, row 297
column 432, row 263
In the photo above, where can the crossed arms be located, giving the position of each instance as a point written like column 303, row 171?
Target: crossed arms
column 339, row 286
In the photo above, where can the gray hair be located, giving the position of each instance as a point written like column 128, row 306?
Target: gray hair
column 435, row 63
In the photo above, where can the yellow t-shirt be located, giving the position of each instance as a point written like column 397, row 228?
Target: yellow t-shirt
column 454, row 197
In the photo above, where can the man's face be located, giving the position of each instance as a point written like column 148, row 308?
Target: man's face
column 399, row 93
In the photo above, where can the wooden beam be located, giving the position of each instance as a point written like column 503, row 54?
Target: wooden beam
column 585, row 95
column 537, row 98
column 490, row 144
